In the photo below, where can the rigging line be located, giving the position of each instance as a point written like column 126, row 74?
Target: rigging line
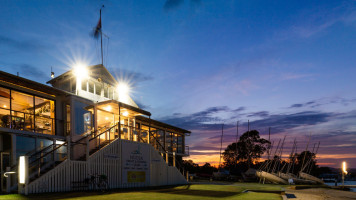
column 305, row 153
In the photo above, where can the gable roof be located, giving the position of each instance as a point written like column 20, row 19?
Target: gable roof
column 27, row 83
column 96, row 72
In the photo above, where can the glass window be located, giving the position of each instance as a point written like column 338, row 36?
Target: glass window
column 22, row 111
column 180, row 144
column 65, row 85
column 4, row 108
column 22, row 102
column 84, row 85
column 44, row 110
column 24, row 145
column 73, row 89
column 110, row 93
column 98, row 88
column 106, row 92
column 91, row 87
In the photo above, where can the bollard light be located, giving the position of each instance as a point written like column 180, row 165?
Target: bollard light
column 23, row 169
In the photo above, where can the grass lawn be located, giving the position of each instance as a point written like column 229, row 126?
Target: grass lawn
column 201, row 191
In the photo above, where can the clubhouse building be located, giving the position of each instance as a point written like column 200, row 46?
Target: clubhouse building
column 84, row 123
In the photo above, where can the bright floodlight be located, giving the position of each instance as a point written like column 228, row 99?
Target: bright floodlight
column 80, row 70
column 123, row 89
column 344, row 167
column 125, row 113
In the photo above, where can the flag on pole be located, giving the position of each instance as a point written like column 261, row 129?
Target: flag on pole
column 97, row 29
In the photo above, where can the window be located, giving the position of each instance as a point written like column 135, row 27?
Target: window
column 26, row 112
column 44, row 115
column 73, row 89
column 110, row 93
column 84, row 85
column 106, row 92
column 22, row 111
column 98, row 89
column 24, row 145
column 91, row 87
column 4, row 107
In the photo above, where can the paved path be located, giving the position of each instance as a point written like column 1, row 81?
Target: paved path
column 319, row 194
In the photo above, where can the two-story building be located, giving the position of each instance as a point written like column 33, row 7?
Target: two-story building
column 86, row 119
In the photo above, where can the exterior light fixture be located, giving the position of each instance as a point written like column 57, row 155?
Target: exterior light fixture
column 23, row 169
column 52, row 73
column 343, row 172
column 123, row 91
column 125, row 114
column 344, row 167
column 108, row 108
column 80, row 71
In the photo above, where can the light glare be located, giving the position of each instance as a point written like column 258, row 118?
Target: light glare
column 344, row 167
column 125, row 114
column 80, row 70
column 22, row 170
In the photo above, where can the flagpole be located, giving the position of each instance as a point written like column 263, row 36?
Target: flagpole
column 101, row 39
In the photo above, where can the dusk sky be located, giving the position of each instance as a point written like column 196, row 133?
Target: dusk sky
column 288, row 65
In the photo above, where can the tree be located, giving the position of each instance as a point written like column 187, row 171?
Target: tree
column 249, row 148
column 190, row 166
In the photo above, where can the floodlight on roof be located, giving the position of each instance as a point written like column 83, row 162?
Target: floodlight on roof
column 80, row 70
column 123, row 90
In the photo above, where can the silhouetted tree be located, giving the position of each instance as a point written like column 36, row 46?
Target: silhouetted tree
column 249, row 148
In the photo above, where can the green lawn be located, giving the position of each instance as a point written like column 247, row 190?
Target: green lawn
column 180, row 192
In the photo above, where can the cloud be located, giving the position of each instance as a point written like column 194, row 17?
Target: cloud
column 206, row 119
column 262, row 114
column 293, row 76
column 29, row 45
column 324, row 101
column 282, row 122
column 29, row 70
column 314, row 21
column 130, row 76
column 172, row 4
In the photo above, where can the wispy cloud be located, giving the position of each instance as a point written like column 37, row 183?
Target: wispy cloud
column 22, row 45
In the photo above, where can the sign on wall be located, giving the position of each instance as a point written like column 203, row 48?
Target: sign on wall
column 135, row 163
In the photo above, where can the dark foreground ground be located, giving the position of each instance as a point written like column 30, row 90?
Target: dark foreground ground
column 203, row 190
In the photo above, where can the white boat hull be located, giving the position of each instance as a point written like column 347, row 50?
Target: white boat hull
column 310, row 177
column 271, row 177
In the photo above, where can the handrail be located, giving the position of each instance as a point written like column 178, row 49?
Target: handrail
column 48, row 153
column 159, row 143
column 108, row 129
column 37, row 152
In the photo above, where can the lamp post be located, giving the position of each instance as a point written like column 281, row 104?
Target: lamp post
column 343, row 172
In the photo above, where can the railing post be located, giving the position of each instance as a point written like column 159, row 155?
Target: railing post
column 53, row 156
column 68, row 147
column 8, row 181
column 174, row 159
column 119, row 128
column 149, row 130
column 87, row 148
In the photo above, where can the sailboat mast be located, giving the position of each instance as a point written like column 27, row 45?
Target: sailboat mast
column 237, row 135
column 222, row 134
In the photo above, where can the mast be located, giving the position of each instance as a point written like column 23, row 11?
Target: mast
column 237, row 135
column 101, row 39
column 222, row 134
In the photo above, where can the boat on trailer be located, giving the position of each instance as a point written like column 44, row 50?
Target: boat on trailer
column 271, row 177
